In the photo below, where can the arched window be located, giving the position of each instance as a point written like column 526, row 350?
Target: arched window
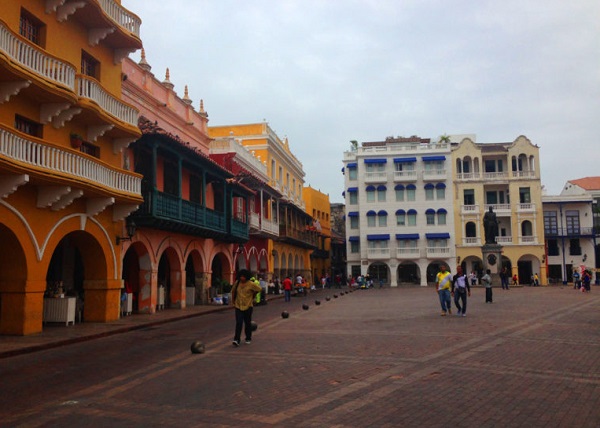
column 526, row 228
column 412, row 217
column 430, row 215
column 401, row 218
column 371, row 218
column 470, row 230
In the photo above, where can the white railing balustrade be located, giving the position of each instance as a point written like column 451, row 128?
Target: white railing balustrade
column 270, row 226
column 469, row 209
column 495, row 175
column 405, row 175
column 122, row 16
column 471, row 241
column 35, row 59
column 89, row 88
column 66, row 164
column 376, row 177
column 408, row 253
column 254, row 220
column 467, row 176
column 504, row 239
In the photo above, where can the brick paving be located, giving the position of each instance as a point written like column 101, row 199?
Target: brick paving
column 372, row 358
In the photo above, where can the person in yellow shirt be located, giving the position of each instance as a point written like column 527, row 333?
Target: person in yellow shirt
column 443, row 282
column 243, row 294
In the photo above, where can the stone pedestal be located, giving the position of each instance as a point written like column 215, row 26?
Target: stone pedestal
column 492, row 260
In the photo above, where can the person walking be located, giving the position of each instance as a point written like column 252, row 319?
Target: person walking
column 461, row 290
column 287, row 288
column 243, row 294
column 443, row 282
column 504, row 279
column 486, row 280
column 587, row 280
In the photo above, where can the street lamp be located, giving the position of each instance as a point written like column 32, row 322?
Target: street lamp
column 130, row 232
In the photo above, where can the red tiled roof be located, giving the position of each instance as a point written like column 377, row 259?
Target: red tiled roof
column 151, row 128
column 587, row 183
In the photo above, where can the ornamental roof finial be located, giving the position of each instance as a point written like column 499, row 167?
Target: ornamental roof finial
column 143, row 63
column 186, row 98
column 167, row 82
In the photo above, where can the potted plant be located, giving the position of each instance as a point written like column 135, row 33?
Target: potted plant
column 76, row 140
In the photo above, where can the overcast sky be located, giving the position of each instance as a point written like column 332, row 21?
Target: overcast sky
column 323, row 73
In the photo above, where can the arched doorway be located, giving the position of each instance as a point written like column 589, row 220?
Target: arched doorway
column 78, row 258
column 408, row 273
column 379, row 274
column 13, row 271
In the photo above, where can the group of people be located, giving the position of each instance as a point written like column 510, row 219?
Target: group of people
column 582, row 282
column 459, row 287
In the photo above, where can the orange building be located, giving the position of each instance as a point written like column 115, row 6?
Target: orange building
column 317, row 205
column 63, row 190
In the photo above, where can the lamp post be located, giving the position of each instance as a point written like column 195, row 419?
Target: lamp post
column 131, row 228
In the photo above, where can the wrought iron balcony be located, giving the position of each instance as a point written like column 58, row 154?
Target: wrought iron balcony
column 170, row 212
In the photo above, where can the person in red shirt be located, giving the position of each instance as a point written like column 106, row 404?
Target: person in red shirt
column 287, row 288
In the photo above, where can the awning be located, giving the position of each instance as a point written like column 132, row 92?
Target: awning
column 442, row 211
column 440, row 186
column 429, row 186
column 437, row 235
column 382, row 212
column 376, row 160
column 381, row 187
column 433, row 158
column 411, row 187
column 352, row 189
column 370, row 188
column 407, row 236
column 404, row 160
column 411, row 211
column 371, row 213
column 430, row 211
column 380, row 237
column 354, row 239
column 343, row 194
column 353, row 214
column 343, row 169
column 399, row 187
column 351, row 165
column 400, row 212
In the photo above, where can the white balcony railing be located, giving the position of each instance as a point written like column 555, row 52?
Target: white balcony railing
column 438, row 251
column 376, row 177
column 526, row 207
column 469, row 209
column 523, row 174
column 122, row 16
column 498, row 208
column 405, row 175
column 472, row 241
column 408, row 253
column 36, row 60
column 468, row 176
column 230, row 145
column 270, row 226
column 378, row 253
column 503, row 239
column 434, row 174
column 527, row 239
column 66, row 164
column 254, row 220
column 89, row 88
column 495, row 175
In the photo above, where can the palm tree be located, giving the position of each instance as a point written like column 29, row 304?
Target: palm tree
column 444, row 139
column 353, row 145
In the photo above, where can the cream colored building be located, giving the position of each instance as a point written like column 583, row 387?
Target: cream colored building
column 505, row 177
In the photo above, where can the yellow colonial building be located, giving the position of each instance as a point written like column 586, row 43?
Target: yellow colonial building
column 318, row 206
column 290, row 253
column 64, row 188
column 506, row 178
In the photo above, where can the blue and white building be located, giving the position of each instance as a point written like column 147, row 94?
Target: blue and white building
column 399, row 210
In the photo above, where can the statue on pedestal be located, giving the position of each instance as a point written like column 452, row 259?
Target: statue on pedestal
column 490, row 226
